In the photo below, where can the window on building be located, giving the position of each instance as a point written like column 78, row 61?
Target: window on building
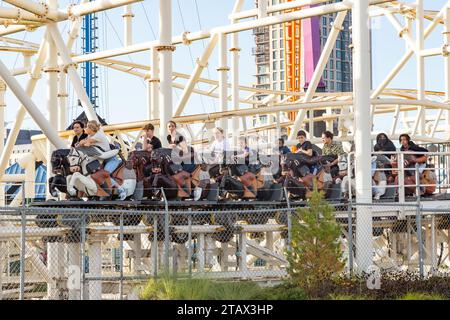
column 339, row 86
column 274, row 76
column 275, row 86
column 275, row 55
column 332, row 85
column 332, row 75
column 275, row 65
column 331, row 63
column 281, row 43
column 338, row 76
column 274, row 44
column 274, row 33
column 282, row 86
column 338, row 65
column 282, row 75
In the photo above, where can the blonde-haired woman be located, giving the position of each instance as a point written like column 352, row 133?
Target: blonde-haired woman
column 96, row 137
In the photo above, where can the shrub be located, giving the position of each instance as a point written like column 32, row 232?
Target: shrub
column 315, row 254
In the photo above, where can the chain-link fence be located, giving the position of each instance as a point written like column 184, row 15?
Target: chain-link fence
column 75, row 253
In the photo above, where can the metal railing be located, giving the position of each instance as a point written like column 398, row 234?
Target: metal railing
column 437, row 163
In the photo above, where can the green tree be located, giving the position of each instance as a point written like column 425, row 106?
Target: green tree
column 315, row 254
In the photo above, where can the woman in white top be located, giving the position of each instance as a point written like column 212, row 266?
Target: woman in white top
column 219, row 145
column 95, row 137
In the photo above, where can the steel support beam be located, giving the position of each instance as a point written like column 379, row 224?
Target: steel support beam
column 223, row 69
column 201, row 64
column 72, row 72
column 165, row 50
column 318, row 72
column 32, row 109
column 362, row 136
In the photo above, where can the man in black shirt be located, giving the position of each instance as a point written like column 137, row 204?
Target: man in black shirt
column 78, row 129
column 304, row 146
column 151, row 142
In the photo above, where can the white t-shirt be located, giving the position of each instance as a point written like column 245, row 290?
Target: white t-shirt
column 101, row 140
column 218, row 147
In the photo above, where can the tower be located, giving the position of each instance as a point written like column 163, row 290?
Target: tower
column 89, row 69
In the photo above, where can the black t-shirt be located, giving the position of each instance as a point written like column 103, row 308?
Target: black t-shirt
column 76, row 139
column 307, row 145
column 155, row 142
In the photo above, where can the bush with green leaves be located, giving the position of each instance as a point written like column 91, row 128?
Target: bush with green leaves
column 315, row 254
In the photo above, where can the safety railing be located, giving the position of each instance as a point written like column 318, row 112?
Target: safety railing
column 430, row 178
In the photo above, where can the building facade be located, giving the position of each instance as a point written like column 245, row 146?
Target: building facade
column 278, row 69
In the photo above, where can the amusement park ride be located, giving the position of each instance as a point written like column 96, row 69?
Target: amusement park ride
column 424, row 115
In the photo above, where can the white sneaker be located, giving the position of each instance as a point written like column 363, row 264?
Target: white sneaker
column 122, row 193
column 197, row 193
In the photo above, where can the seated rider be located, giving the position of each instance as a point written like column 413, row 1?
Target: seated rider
column 331, row 151
column 384, row 144
column 178, row 143
column 305, row 147
column 411, row 159
column 78, row 130
column 218, row 146
column 282, row 149
column 96, row 137
column 151, row 142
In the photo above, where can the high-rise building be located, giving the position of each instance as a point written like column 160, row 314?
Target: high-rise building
column 286, row 56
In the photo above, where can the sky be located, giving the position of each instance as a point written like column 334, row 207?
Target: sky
column 123, row 97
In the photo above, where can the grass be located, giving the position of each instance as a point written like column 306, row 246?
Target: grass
column 169, row 288
column 421, row 296
column 348, row 297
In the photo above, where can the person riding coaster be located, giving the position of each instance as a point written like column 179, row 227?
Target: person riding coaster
column 240, row 178
column 167, row 175
column 298, row 179
column 84, row 169
column 104, row 168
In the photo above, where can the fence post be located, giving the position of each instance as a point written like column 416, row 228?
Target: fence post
column 190, row 244
column 289, row 222
column 155, row 245
column 121, row 258
column 350, row 238
column 419, row 222
column 83, row 256
column 166, row 233
column 22, row 254
column 401, row 180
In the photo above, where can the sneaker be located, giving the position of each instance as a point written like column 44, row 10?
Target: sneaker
column 197, row 193
column 122, row 193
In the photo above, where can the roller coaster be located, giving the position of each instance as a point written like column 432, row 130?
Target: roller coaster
column 377, row 201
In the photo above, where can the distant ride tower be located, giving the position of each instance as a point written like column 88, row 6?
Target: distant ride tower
column 89, row 69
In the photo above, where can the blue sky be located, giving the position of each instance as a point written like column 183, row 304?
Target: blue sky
column 124, row 96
